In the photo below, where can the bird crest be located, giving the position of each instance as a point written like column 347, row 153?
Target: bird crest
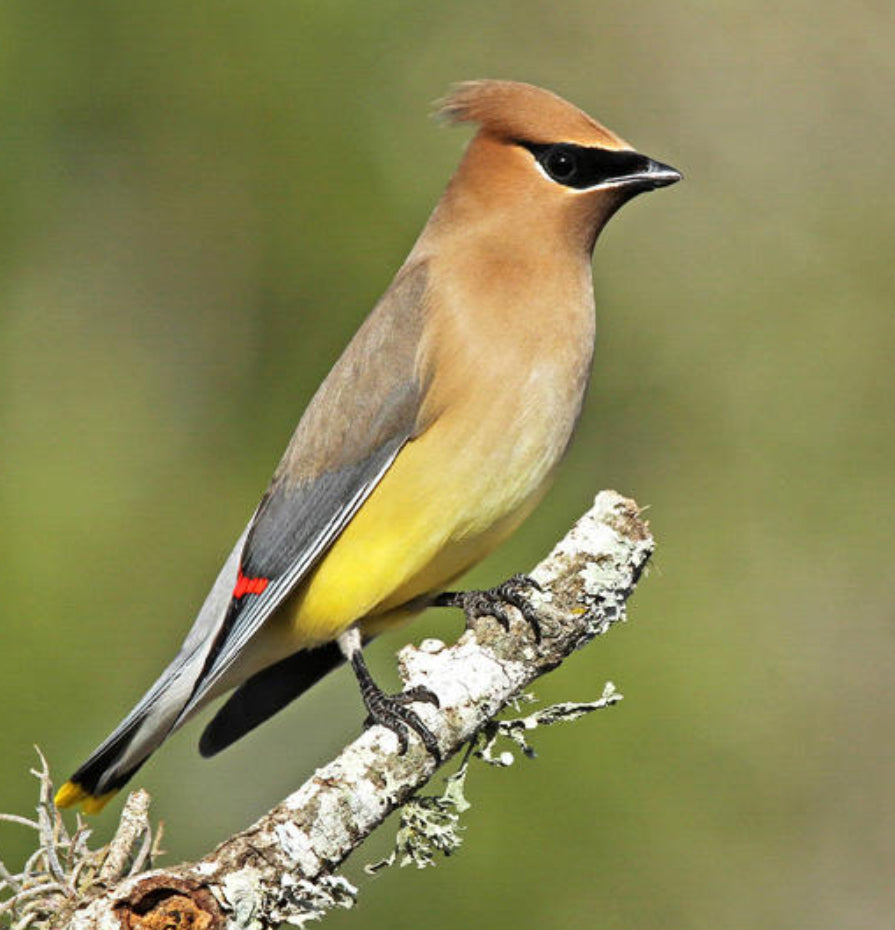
column 522, row 112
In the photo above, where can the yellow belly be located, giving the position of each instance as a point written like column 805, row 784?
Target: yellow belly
column 436, row 512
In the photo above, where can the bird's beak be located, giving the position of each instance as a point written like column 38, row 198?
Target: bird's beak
column 649, row 175
column 659, row 175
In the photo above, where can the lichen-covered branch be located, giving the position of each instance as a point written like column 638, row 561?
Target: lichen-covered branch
column 282, row 867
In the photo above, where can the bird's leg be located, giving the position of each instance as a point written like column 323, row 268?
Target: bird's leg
column 390, row 710
column 493, row 602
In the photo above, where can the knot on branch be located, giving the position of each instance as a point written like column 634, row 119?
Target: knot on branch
column 164, row 902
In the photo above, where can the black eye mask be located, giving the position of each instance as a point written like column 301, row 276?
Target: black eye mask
column 581, row 167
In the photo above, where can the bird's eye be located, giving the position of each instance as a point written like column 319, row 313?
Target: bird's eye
column 560, row 163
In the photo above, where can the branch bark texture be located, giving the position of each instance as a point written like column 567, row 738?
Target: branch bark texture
column 281, row 868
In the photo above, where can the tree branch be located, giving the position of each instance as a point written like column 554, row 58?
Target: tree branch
column 281, row 868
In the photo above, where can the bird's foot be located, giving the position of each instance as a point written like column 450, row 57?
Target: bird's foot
column 494, row 602
column 393, row 712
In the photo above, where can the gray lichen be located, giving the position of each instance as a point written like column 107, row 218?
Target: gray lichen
column 430, row 824
column 301, row 902
column 63, row 870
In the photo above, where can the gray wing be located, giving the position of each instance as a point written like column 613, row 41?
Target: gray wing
column 357, row 423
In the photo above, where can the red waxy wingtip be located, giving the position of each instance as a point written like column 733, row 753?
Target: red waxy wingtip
column 245, row 585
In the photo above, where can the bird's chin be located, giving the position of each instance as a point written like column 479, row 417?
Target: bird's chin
column 608, row 199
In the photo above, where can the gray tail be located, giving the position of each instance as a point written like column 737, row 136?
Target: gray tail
column 101, row 773
column 144, row 729
column 147, row 726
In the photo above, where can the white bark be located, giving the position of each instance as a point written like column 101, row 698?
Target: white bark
column 281, row 868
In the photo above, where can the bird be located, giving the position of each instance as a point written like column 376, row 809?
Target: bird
column 434, row 435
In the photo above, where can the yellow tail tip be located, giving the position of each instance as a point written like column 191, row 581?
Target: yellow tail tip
column 71, row 794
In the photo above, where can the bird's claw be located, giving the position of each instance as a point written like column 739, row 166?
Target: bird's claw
column 392, row 711
column 493, row 602
column 513, row 592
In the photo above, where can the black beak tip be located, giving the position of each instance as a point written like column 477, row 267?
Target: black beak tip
column 661, row 175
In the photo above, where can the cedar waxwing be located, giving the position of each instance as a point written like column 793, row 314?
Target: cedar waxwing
column 430, row 441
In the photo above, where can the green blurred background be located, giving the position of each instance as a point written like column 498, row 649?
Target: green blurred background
column 200, row 203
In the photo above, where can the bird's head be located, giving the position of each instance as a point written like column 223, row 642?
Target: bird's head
column 536, row 159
